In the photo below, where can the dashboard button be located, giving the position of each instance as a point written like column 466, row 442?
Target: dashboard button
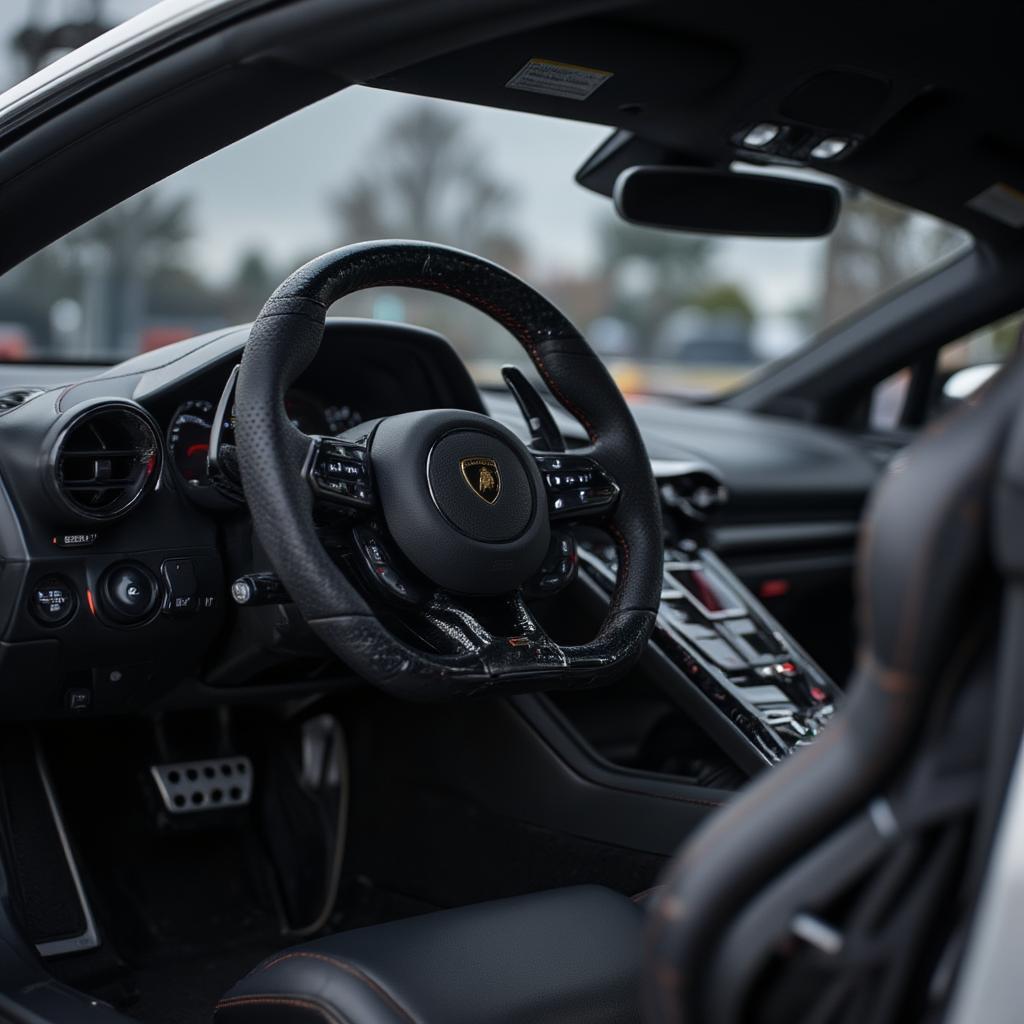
column 78, row 700
column 74, row 540
column 128, row 593
column 53, row 600
column 180, row 579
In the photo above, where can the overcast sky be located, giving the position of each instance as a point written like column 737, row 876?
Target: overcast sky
column 270, row 191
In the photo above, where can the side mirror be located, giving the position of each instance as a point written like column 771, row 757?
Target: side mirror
column 962, row 385
column 725, row 203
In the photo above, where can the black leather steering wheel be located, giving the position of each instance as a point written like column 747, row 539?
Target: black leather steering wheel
column 451, row 494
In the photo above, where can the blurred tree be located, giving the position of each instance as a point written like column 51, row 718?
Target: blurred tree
column 725, row 298
column 42, row 39
column 650, row 272
column 119, row 255
column 875, row 246
column 119, row 268
column 428, row 180
column 250, row 287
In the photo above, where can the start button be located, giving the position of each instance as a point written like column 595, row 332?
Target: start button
column 128, row 593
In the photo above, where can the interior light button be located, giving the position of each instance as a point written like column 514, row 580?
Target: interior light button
column 761, row 135
column 829, row 149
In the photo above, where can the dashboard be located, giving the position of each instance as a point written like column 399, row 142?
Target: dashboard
column 118, row 548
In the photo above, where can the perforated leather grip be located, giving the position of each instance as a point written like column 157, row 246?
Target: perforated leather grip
column 283, row 342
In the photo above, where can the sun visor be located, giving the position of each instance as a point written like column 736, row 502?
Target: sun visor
column 588, row 70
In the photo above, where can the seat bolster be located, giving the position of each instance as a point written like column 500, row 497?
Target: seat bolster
column 566, row 956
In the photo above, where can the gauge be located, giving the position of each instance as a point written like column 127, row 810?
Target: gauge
column 305, row 412
column 188, row 439
column 340, row 418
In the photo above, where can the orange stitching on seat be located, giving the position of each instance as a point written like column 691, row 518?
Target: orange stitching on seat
column 638, row 896
column 351, row 969
column 327, row 1013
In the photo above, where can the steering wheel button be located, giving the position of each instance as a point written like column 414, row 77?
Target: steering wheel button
column 375, row 553
column 462, row 498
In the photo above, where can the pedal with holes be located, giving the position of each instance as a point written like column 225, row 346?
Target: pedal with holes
column 195, row 787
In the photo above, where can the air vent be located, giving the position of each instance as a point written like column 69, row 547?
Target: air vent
column 691, row 487
column 17, row 396
column 105, row 460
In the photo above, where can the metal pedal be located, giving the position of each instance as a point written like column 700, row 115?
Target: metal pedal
column 189, row 787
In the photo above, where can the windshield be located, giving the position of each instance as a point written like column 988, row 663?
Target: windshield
column 672, row 314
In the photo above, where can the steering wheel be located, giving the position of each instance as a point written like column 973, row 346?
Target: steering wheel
column 448, row 512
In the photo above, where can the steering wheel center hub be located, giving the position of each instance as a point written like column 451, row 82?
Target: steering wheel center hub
column 479, row 484
column 462, row 498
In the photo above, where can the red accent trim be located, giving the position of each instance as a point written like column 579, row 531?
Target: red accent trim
column 773, row 588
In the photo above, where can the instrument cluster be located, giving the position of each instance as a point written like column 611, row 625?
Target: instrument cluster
column 191, row 426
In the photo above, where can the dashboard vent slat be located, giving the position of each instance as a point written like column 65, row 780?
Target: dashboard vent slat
column 106, row 460
column 17, row 396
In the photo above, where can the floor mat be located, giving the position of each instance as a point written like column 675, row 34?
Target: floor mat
column 187, row 993
column 187, row 907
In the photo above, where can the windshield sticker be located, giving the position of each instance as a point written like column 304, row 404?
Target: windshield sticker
column 1001, row 202
column 553, row 78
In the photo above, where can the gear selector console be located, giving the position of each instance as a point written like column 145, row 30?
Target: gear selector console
column 732, row 652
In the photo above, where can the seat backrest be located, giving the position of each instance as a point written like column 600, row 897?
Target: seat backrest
column 800, row 899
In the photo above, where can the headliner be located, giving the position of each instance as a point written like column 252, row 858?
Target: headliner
column 938, row 129
column 931, row 89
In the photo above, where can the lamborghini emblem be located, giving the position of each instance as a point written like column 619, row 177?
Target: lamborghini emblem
column 482, row 476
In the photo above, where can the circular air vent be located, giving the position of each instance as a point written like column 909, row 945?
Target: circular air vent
column 105, row 460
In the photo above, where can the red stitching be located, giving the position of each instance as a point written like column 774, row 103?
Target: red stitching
column 350, row 969
column 303, row 1004
column 522, row 332
column 504, row 317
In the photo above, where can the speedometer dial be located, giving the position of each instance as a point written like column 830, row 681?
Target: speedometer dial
column 188, row 440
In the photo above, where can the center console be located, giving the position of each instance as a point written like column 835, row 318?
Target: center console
column 750, row 684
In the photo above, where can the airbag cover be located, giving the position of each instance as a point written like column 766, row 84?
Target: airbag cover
column 462, row 498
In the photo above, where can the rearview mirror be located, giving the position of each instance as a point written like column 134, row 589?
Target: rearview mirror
column 725, row 203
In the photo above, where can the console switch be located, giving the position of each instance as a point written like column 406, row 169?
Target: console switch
column 180, row 591
column 558, row 569
column 379, row 565
column 53, row 601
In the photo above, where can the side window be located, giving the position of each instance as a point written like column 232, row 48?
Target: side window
column 915, row 394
